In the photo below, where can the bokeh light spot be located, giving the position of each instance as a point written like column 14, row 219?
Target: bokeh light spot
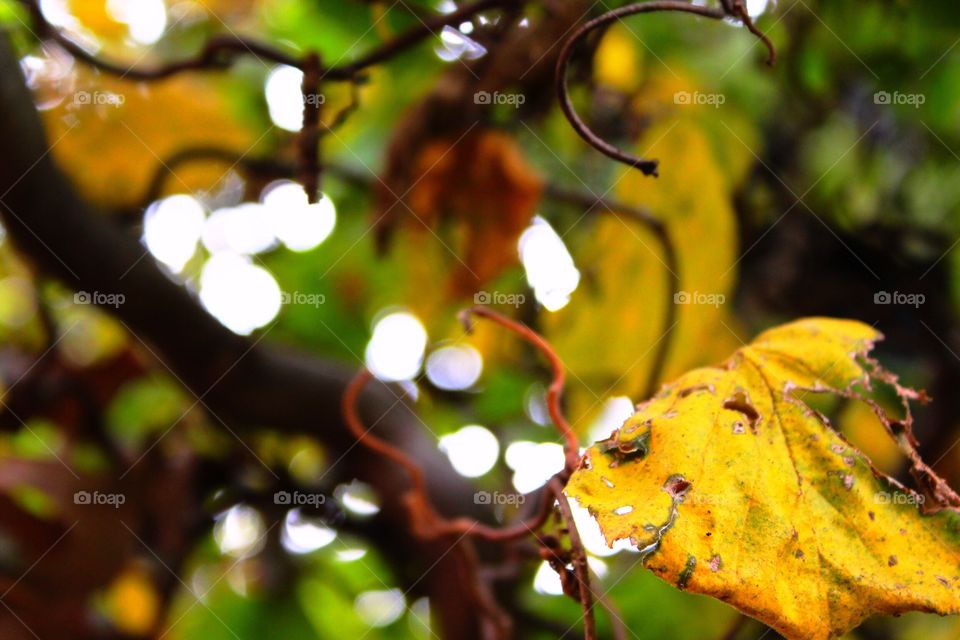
column 472, row 450
column 395, row 351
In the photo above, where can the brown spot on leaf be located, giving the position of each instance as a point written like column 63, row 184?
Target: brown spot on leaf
column 684, row 579
column 716, row 563
column 683, row 393
column 740, row 402
column 677, row 487
column 892, row 561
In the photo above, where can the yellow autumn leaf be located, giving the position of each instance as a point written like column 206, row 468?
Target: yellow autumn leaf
column 112, row 136
column 95, row 17
column 623, row 260
column 132, row 602
column 616, row 64
column 731, row 486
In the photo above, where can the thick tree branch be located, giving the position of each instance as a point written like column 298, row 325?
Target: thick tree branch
column 250, row 385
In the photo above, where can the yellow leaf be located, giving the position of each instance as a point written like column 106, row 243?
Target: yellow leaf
column 622, row 261
column 732, row 487
column 616, row 62
column 94, row 16
column 112, row 136
column 132, row 602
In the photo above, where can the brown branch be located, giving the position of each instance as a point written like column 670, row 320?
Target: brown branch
column 309, row 136
column 579, row 558
column 424, row 520
column 369, row 440
column 571, row 445
column 221, row 51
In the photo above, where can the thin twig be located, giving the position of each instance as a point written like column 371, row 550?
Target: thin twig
column 579, row 559
column 364, row 436
column 426, row 522
column 222, row 50
column 554, row 391
column 309, row 136
column 730, row 8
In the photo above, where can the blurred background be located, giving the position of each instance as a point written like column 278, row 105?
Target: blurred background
column 826, row 185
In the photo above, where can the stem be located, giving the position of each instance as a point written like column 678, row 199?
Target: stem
column 554, row 391
column 580, row 567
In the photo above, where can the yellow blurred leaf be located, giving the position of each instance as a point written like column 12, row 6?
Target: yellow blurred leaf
column 864, row 429
column 626, row 282
column 112, row 135
column 132, row 602
column 732, row 487
column 615, row 63
column 93, row 15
